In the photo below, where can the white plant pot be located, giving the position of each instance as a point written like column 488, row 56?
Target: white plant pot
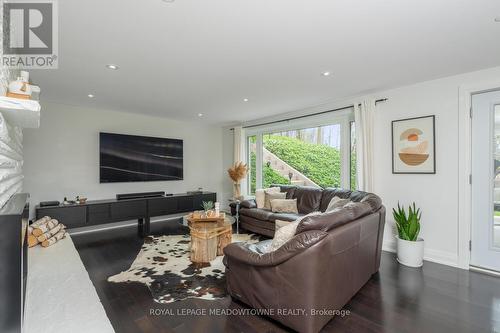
column 410, row 253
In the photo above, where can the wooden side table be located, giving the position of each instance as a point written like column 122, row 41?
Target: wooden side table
column 209, row 237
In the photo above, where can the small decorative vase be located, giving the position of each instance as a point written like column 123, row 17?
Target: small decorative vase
column 237, row 190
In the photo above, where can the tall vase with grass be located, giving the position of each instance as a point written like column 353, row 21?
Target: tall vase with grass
column 410, row 247
column 237, row 173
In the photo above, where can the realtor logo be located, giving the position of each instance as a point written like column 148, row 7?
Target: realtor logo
column 29, row 35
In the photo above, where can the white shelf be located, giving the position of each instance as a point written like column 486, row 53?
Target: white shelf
column 20, row 113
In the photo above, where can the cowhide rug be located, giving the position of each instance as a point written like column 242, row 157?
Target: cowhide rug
column 163, row 265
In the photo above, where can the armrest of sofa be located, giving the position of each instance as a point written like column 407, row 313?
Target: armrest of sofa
column 247, row 203
column 299, row 243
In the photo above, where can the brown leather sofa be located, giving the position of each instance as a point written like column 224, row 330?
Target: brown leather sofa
column 309, row 199
column 319, row 270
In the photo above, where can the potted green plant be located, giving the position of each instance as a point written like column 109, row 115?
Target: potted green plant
column 208, row 207
column 410, row 247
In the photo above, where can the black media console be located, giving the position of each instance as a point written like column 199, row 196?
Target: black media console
column 105, row 211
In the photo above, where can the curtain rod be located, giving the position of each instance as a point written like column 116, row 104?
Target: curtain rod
column 308, row 115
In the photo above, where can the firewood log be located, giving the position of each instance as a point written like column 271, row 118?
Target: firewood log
column 32, row 241
column 38, row 223
column 50, row 233
column 54, row 239
column 41, row 229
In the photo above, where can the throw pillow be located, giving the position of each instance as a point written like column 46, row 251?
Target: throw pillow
column 335, row 203
column 286, row 231
column 284, row 206
column 260, row 195
column 271, row 196
column 281, row 223
column 283, row 235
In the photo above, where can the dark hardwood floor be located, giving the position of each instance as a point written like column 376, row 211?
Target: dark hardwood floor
column 435, row 298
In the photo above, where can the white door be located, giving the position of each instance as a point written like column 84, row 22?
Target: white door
column 485, row 245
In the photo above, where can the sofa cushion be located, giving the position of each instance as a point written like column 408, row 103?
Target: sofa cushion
column 257, row 213
column 260, row 195
column 284, row 206
column 284, row 216
column 271, row 196
column 336, row 202
column 335, row 218
column 308, row 199
column 356, row 196
column 329, row 193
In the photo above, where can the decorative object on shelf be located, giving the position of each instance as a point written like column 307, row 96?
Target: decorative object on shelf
column 49, row 203
column 208, row 208
column 20, row 88
column 200, row 216
column 217, row 209
column 413, row 145
column 46, row 232
column 81, row 200
column 237, row 172
column 68, row 202
column 410, row 247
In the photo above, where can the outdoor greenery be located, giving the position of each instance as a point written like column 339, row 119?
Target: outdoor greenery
column 270, row 176
column 408, row 226
column 320, row 163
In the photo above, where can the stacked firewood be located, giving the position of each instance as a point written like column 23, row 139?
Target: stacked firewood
column 46, row 232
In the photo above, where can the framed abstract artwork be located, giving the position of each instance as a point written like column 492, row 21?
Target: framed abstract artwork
column 414, row 145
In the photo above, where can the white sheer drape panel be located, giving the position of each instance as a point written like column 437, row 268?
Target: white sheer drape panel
column 364, row 114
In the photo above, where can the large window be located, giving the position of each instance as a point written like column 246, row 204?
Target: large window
column 322, row 155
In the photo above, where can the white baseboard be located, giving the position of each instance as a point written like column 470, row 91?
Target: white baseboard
column 437, row 256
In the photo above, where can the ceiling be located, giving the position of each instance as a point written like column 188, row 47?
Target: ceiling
column 178, row 59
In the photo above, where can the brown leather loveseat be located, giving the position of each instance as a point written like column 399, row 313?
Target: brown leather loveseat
column 305, row 282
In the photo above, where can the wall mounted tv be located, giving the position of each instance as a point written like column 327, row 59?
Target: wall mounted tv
column 132, row 158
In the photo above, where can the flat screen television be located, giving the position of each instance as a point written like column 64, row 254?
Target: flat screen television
column 132, row 158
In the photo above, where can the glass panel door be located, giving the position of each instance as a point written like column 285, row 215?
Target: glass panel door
column 485, row 246
column 496, row 181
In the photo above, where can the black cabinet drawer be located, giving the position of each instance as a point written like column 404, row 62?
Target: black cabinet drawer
column 71, row 217
column 162, row 206
column 129, row 209
column 186, row 204
column 99, row 213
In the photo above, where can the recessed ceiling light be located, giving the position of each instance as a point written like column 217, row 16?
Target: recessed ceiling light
column 200, row 115
column 245, row 99
column 90, row 96
column 497, row 19
column 326, row 73
column 112, row 66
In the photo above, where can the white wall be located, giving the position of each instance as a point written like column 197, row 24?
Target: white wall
column 437, row 195
column 62, row 156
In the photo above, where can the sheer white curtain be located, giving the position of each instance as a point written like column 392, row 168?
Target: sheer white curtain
column 239, row 151
column 364, row 114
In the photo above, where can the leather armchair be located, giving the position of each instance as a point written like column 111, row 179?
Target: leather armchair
column 320, row 269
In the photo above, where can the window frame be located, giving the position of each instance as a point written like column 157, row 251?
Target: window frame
column 343, row 118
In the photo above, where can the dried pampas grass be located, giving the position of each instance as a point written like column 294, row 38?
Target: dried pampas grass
column 238, row 171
